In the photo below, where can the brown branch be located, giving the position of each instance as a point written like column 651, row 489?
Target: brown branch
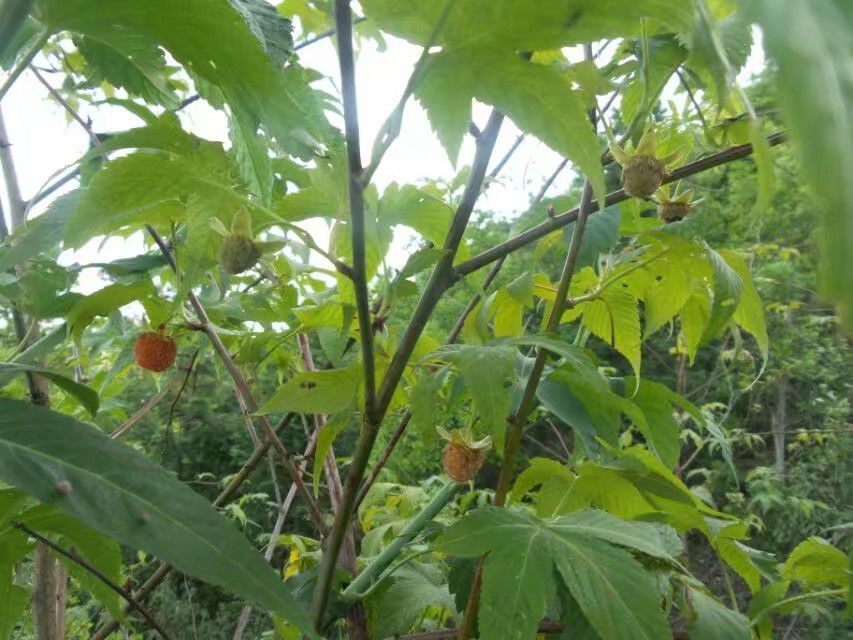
column 149, row 404
column 451, row 338
column 247, row 401
column 71, row 555
column 502, row 162
column 557, row 222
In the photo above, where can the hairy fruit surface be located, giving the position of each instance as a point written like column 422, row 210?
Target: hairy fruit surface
column 238, row 253
column 155, row 351
column 673, row 211
column 461, row 462
column 642, row 175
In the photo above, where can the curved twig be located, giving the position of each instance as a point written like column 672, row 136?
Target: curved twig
column 124, row 593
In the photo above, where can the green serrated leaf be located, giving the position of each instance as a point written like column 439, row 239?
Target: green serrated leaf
column 216, row 42
column 137, row 67
column 327, row 392
column 86, row 396
column 816, row 92
column 488, row 373
column 39, row 235
column 148, row 508
column 325, row 439
column 522, row 26
column 728, row 288
column 103, row 302
column 712, row 620
column 816, row 562
column 612, row 589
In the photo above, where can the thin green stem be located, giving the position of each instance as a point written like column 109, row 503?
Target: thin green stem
column 374, row 570
column 798, row 598
column 390, row 129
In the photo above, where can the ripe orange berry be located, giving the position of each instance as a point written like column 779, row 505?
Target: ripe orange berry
column 460, row 462
column 155, row 351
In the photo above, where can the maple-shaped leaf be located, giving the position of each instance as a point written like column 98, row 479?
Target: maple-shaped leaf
column 527, row 556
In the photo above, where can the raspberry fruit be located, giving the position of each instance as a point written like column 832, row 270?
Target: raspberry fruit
column 155, row 351
column 462, row 455
column 673, row 211
column 460, row 462
column 674, row 207
column 642, row 175
column 238, row 253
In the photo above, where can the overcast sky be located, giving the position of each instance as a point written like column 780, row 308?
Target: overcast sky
column 45, row 140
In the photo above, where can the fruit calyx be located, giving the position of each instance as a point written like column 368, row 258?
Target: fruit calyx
column 673, row 208
column 239, row 251
column 642, row 171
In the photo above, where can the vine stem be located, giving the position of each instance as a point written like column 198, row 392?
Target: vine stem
column 133, row 602
column 244, row 394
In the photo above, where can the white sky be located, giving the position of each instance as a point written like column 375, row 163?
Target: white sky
column 45, row 140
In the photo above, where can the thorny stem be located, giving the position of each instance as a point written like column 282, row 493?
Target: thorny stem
column 149, row 404
column 370, row 424
column 133, row 602
column 442, row 275
column 244, row 394
column 346, row 62
column 692, row 97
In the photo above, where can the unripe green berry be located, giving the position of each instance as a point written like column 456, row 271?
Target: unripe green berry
column 238, row 253
column 642, row 175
